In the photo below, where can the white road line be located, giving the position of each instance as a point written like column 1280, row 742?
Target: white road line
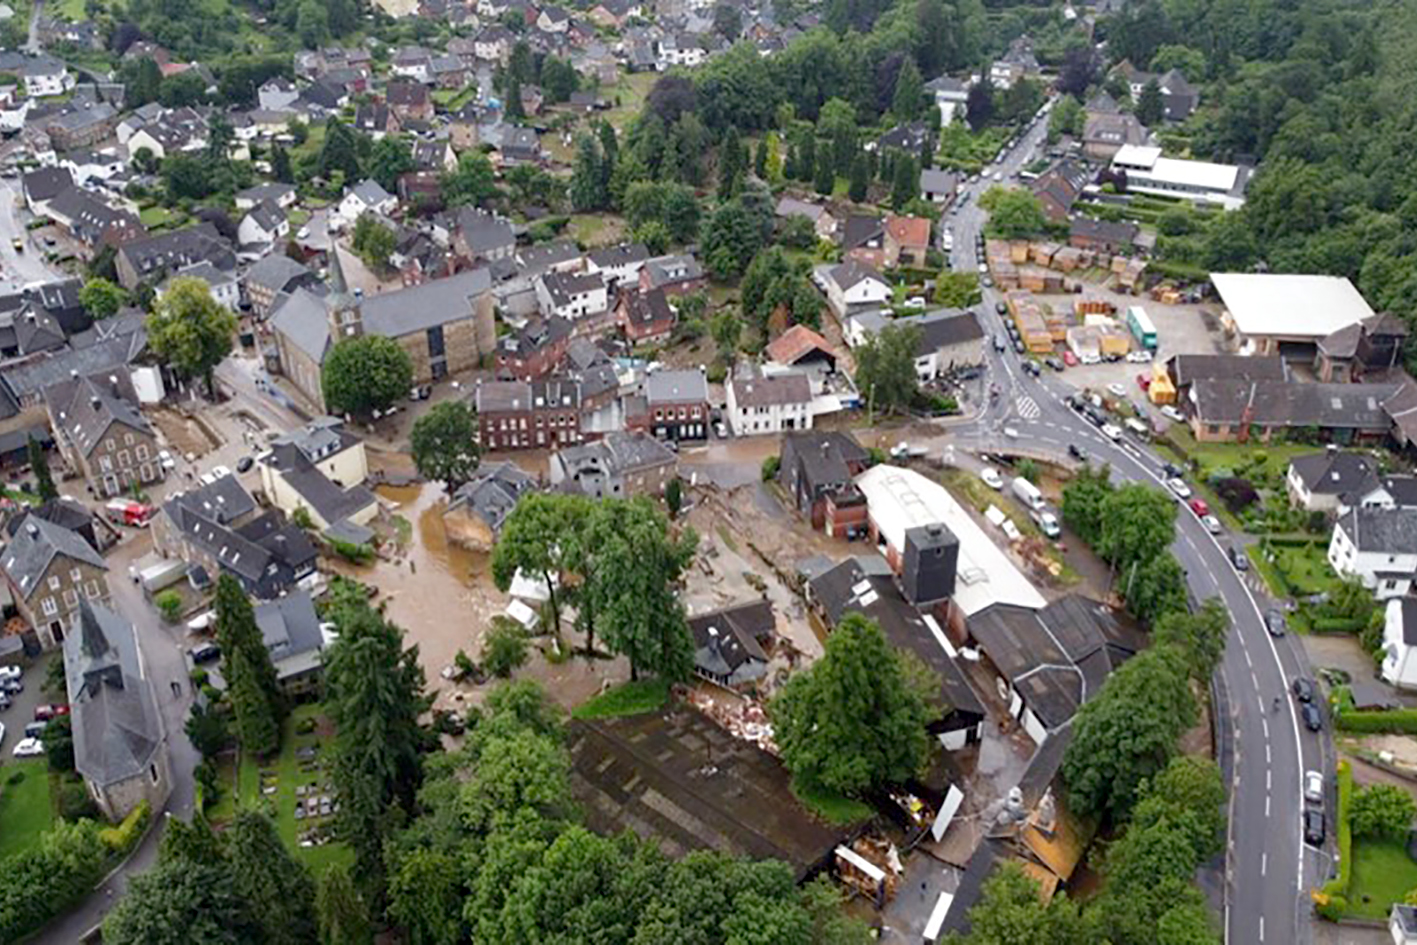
column 1264, row 864
column 1268, row 779
column 1264, row 723
column 1261, row 928
column 1246, row 650
column 1267, row 755
column 1266, row 806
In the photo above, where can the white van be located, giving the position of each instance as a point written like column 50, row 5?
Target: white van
column 1028, row 494
column 1137, row 428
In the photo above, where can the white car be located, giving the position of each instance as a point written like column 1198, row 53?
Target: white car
column 1090, row 358
column 1179, row 487
column 916, row 302
column 984, row 268
column 1011, row 433
column 166, row 459
column 1116, row 390
column 1112, row 432
column 28, row 748
column 1211, row 523
column 999, row 177
column 1139, row 357
column 1313, row 787
column 11, row 672
column 303, row 233
column 991, row 478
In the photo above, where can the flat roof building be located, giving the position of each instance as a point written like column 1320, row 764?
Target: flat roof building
column 1269, row 309
column 1148, row 172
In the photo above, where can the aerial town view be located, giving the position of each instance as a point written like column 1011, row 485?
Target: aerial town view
column 682, row 472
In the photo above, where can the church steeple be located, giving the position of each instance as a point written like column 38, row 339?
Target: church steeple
column 346, row 321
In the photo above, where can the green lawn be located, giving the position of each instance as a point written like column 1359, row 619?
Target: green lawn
column 71, row 10
column 1305, row 568
column 282, row 776
column 1382, row 874
column 631, row 698
column 631, row 91
column 25, row 808
column 833, row 808
column 453, row 99
column 156, row 216
column 1276, row 456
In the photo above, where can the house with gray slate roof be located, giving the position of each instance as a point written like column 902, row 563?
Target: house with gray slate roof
column 478, row 508
column 102, row 433
column 51, row 571
column 621, row 465
column 120, row 744
column 730, row 643
column 1377, row 546
column 290, row 629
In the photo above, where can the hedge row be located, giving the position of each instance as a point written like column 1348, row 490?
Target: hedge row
column 1386, row 722
column 1177, row 270
column 1338, row 624
column 1335, row 892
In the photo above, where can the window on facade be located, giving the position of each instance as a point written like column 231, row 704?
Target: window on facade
column 91, row 589
column 141, row 452
column 128, row 439
column 49, row 606
column 105, row 463
column 435, row 342
column 76, row 575
column 54, row 582
column 71, row 599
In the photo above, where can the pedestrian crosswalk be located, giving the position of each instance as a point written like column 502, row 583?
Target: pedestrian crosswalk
column 1027, row 408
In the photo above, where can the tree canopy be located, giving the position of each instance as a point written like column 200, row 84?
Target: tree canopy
column 885, row 368
column 364, row 374
column 189, row 329
column 442, row 443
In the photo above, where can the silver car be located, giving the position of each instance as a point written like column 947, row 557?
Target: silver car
column 1313, row 787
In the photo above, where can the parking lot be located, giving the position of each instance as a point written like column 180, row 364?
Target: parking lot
column 21, row 710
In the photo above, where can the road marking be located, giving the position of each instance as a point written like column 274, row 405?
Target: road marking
column 1266, row 806
column 1264, row 863
column 1267, row 755
column 1268, row 779
column 1264, row 723
column 1246, row 650
column 1261, row 928
column 1028, row 408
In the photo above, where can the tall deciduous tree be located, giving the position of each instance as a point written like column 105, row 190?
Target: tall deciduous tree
column 1151, row 108
column 541, row 538
column 588, row 183
column 885, row 368
column 1013, row 213
column 339, row 151
column 390, row 159
column 1382, row 811
column 364, row 374
column 190, row 330
column 731, row 238
column 1200, row 636
column 472, row 182
column 1010, row 911
column 855, row 720
column 1138, row 524
column 442, row 443
column 101, row 298
column 180, row 903
column 1154, row 587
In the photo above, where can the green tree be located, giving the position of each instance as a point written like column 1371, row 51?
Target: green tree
column 101, row 298
column 179, row 903
column 1010, row 911
column 39, row 468
column 726, row 329
column 905, row 181
column 504, row 648
column 275, row 886
column 364, row 374
column 909, row 97
column 58, row 739
column 727, row 21
column 312, row 24
column 855, row 719
column 731, row 239
column 559, row 79
column 142, row 85
column 1138, row 524
column 541, row 538
column 390, row 159
column 1084, row 498
column 190, row 330
column 342, row 913
column 957, row 289
column 588, row 190
column 760, row 158
column 207, row 729
column 339, row 151
column 885, row 368
column 674, row 497
column 732, row 165
column 236, row 631
column 426, row 896
column 472, row 183
column 374, row 696
column 442, row 443
column 1188, row 791
column 1151, row 109
column 1127, row 733
column 631, row 588
column 824, row 178
column 256, row 727
column 860, row 178
column 280, row 165
column 1200, row 636
column 1154, row 588
column 1013, row 213
column 1382, row 811
column 373, row 241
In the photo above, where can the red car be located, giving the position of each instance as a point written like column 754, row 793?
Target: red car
column 1070, row 359
column 43, row 713
column 1143, row 382
column 1199, row 507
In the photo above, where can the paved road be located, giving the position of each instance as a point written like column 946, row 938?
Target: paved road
column 1270, row 869
column 18, row 269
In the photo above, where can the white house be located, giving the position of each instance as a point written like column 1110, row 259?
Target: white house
column 93, row 165
column 1334, row 481
column 773, row 404
column 1379, row 547
column 553, row 19
column 266, row 223
column 225, row 288
column 572, row 295
column 277, row 93
column 852, row 287
column 619, row 265
column 412, row 62
column 282, row 195
column 1399, row 665
column 1402, row 923
column 1150, row 173
column 951, row 96
column 366, row 197
column 47, row 76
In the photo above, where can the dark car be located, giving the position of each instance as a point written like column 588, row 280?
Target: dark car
column 11, row 686
column 1032, row 367
column 35, row 729
column 1238, row 558
column 1303, row 689
column 244, row 464
column 204, row 653
column 1172, row 471
column 1073, row 402
column 1096, row 416
column 1313, row 721
column 1076, row 452
column 1001, row 307
column 1274, row 622
column 1018, row 345
column 1315, row 827
column 1054, row 363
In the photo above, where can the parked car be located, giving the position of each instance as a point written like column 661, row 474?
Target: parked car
column 1001, row 307
column 1112, row 432
column 1076, row 452
column 46, row 711
column 1018, row 345
column 244, row 464
column 1178, row 486
column 1011, row 433
column 991, row 478
column 28, row 748
column 999, row 343
column 1031, row 367
column 1274, row 622
column 11, row 686
column 11, row 672
column 1139, row 357
column 1070, row 359
column 1211, row 523
column 1313, row 787
column 1303, row 689
column 1199, row 507
column 1053, row 362
column 204, row 653
column 35, row 729
column 1238, row 559
column 1172, row 471
column 1116, row 389
column 1315, row 827
column 1172, row 414
column 1313, row 721
column 1144, row 382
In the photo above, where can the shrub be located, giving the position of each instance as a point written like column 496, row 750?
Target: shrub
column 1337, row 888
column 199, row 677
column 505, row 647
column 301, row 517
column 41, row 883
column 1389, row 721
column 351, row 552
column 74, row 803
column 716, row 373
column 169, row 603
column 1332, row 908
column 770, row 467
column 124, row 836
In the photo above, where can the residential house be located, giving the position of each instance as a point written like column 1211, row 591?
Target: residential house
column 1104, row 134
column 676, row 275
column 29, row 330
column 803, row 350
column 771, row 404
column 619, row 465
column 101, row 432
column 45, row 76
column 1179, row 98
column 531, row 99
column 91, row 222
column 1016, row 64
column 320, row 468
column 674, row 406
column 42, row 185
column 1377, row 546
column 553, row 19
column 949, row 340
column 446, row 326
column 818, row 470
column 376, row 119
column 620, row 265
column 282, row 195
column 180, row 130
column 150, row 258
column 1399, row 649
column 571, row 295
column 1370, row 349
column 559, row 255
column 645, row 317
column 613, row 14
column 909, row 138
column 294, row 637
column 366, row 197
column 482, row 236
column 938, row 186
column 1332, row 481
column 519, row 146
column 93, row 168
column 853, row 287
column 494, row 44
column 412, row 62
column 907, row 240
column 1223, row 410
column 823, row 223
column 463, row 132
column 533, row 351
column 864, row 241
column 951, row 97
column 277, row 93
column 731, row 643
column 474, row 516
column 272, row 276
column 119, row 739
column 81, row 126
column 1402, row 924
column 434, row 156
column 264, row 224
column 1103, row 236
column 409, row 100
column 51, row 571
column 448, row 72
column 520, row 415
column 223, row 286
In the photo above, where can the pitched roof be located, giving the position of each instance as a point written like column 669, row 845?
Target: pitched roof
column 1381, row 531
column 1287, row 404
column 726, row 638
column 290, row 629
column 852, row 272
column 39, row 542
column 796, row 343
column 87, row 406
column 774, row 390
column 1337, row 473
column 944, row 328
column 624, row 254
column 676, row 387
column 617, row 454
column 275, row 272
column 647, row 308
column 493, row 491
column 859, row 230
column 908, row 231
column 47, row 182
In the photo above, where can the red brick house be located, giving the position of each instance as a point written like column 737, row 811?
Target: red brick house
column 645, row 316
column 533, row 352
column 513, row 415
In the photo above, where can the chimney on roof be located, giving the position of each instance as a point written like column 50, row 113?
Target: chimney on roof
column 32, row 529
column 94, row 402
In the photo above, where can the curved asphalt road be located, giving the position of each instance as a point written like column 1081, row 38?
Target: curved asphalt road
column 1269, row 869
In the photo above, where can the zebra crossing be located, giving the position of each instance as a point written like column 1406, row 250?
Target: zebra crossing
column 1027, row 408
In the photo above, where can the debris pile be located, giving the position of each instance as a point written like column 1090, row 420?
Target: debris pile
column 747, row 721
